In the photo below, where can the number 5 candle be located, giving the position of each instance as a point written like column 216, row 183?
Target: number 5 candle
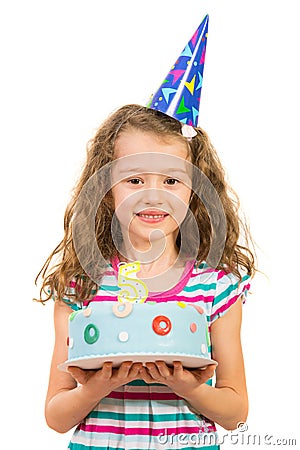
column 132, row 288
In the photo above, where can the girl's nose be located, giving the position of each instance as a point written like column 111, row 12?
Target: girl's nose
column 153, row 196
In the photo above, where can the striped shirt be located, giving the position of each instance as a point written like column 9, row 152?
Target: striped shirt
column 141, row 416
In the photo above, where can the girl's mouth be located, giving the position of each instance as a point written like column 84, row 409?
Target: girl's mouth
column 152, row 216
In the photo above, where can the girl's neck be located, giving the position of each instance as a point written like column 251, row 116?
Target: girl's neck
column 161, row 267
column 151, row 266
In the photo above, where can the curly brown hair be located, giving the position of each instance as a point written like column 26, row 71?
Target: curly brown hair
column 100, row 152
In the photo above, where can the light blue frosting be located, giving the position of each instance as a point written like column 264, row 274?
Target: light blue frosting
column 97, row 331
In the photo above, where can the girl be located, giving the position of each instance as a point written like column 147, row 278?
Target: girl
column 153, row 406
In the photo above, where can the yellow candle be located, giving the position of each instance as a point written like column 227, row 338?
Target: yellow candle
column 133, row 289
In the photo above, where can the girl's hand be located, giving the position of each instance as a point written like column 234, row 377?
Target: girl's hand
column 180, row 380
column 99, row 383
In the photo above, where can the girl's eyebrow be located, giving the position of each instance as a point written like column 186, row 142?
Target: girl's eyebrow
column 131, row 169
column 166, row 171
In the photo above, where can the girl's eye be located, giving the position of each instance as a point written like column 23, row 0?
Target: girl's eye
column 171, row 181
column 134, row 181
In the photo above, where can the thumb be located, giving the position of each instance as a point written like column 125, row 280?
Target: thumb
column 78, row 374
column 209, row 370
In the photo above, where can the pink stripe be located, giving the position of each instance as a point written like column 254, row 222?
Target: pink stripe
column 160, row 299
column 137, row 431
column 227, row 305
column 221, row 274
column 182, row 298
column 197, row 298
column 102, row 298
column 198, row 272
column 195, row 37
column 109, row 272
column 246, row 288
column 230, row 302
column 114, row 262
column 143, row 396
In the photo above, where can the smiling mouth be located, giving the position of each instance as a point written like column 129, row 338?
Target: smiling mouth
column 152, row 216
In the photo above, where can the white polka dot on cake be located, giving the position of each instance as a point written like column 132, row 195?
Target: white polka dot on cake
column 70, row 342
column 123, row 336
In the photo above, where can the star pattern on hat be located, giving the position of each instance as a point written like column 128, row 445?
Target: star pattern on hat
column 180, row 93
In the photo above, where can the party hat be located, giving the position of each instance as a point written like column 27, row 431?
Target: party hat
column 179, row 95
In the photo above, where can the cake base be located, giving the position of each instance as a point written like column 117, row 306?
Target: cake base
column 96, row 362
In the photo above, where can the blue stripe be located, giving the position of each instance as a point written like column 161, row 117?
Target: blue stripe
column 142, row 417
column 230, row 289
column 197, row 287
column 108, row 287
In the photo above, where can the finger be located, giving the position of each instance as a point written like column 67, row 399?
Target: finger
column 145, row 375
column 163, row 369
column 124, row 369
column 177, row 369
column 106, row 371
column 210, row 370
column 73, row 370
column 134, row 370
column 78, row 374
column 207, row 371
column 153, row 370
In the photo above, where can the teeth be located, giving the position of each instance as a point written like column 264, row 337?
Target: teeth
column 147, row 216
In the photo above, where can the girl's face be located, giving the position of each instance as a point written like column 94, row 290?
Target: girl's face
column 151, row 186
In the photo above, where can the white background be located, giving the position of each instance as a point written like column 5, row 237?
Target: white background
column 65, row 65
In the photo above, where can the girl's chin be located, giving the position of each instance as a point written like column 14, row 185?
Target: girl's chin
column 143, row 234
column 153, row 240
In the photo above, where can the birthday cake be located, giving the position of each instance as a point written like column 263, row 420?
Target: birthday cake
column 138, row 332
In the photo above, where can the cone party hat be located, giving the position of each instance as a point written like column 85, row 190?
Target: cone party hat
column 180, row 93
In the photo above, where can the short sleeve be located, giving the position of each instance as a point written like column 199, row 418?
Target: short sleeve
column 229, row 289
column 68, row 298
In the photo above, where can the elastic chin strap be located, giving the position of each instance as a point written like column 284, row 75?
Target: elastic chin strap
column 188, row 132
